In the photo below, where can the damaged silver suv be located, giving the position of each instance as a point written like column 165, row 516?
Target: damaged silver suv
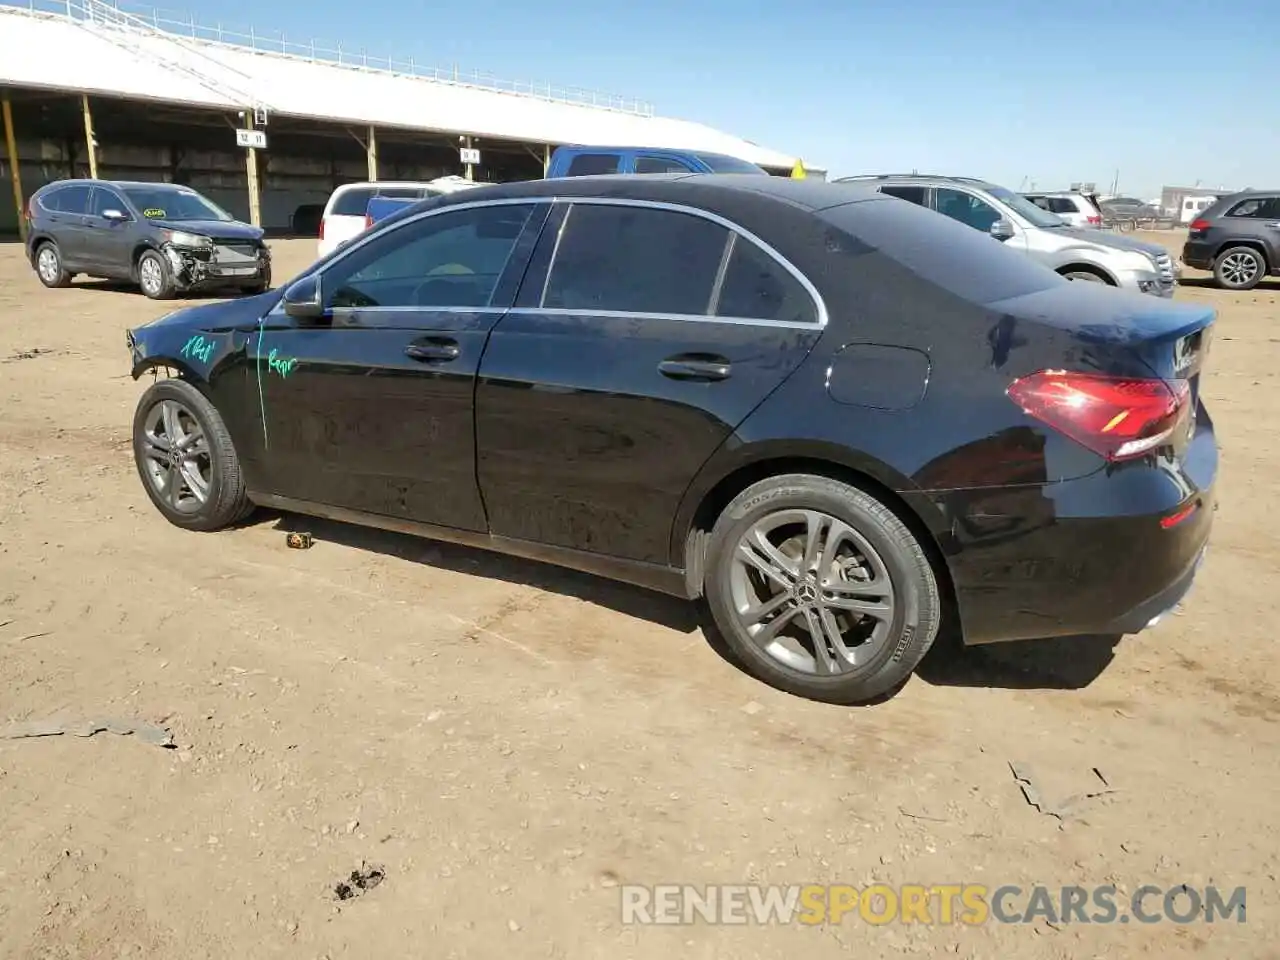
column 166, row 238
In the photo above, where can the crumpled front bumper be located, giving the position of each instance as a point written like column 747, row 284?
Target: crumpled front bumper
column 194, row 267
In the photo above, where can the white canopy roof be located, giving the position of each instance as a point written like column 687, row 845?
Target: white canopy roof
column 119, row 55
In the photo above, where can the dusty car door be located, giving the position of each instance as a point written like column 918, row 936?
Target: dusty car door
column 109, row 241
column 369, row 405
column 641, row 337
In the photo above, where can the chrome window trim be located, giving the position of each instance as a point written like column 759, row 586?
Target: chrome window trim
column 741, row 232
column 819, row 304
column 640, row 314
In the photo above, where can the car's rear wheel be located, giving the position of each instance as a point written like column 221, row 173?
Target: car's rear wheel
column 1239, row 268
column 820, row 589
column 186, row 459
column 154, row 276
column 49, row 266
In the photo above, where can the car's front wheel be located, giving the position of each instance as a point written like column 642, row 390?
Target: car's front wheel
column 155, row 276
column 820, row 589
column 186, row 459
column 1240, row 268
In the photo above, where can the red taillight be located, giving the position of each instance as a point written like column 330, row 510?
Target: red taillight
column 1198, row 225
column 1095, row 221
column 322, row 228
column 1175, row 518
column 1116, row 417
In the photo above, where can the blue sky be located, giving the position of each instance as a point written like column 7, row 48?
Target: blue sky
column 1004, row 89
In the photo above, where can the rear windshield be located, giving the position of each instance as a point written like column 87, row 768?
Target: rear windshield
column 354, row 202
column 719, row 164
column 941, row 251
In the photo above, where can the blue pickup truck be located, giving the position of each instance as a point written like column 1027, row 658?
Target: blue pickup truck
column 580, row 161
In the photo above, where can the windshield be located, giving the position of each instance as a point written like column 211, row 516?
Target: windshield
column 1026, row 209
column 719, row 164
column 174, row 203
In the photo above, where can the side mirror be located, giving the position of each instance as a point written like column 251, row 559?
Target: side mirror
column 117, row 215
column 1002, row 230
column 302, row 299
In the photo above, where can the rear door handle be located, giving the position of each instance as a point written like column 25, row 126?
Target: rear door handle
column 695, row 366
column 432, row 348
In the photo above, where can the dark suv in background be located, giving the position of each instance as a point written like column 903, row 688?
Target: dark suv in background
column 1238, row 238
column 164, row 237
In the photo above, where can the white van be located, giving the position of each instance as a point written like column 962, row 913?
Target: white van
column 344, row 214
column 1192, row 207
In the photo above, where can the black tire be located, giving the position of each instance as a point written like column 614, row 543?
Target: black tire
column 161, row 288
column 226, row 501
column 58, row 275
column 917, row 610
column 1229, row 264
column 1086, row 275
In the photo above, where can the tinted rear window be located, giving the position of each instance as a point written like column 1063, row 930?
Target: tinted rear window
column 352, row 203
column 593, row 164
column 67, row 200
column 720, row 164
column 914, row 195
column 941, row 251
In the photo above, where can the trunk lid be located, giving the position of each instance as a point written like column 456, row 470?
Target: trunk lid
column 1095, row 329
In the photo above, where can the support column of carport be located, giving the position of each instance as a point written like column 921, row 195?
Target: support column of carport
column 15, row 173
column 370, row 146
column 251, row 173
column 89, row 139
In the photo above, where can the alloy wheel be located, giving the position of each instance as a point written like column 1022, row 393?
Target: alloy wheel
column 149, row 275
column 47, row 264
column 176, row 456
column 1239, row 269
column 811, row 592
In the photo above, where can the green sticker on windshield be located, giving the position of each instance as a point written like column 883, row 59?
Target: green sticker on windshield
column 153, row 213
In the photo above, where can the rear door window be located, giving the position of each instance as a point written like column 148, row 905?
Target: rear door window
column 635, row 260
column 757, row 287
column 593, row 164
column 659, row 165
column 916, row 195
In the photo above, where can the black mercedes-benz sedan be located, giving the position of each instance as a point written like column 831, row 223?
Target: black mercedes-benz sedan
column 840, row 420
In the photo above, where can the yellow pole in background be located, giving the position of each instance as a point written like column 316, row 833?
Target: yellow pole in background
column 797, row 172
column 88, row 136
column 11, row 145
column 371, row 153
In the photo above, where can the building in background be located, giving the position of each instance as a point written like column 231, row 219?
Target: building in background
column 268, row 127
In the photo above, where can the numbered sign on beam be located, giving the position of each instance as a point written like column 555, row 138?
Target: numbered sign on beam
column 257, row 139
column 470, row 156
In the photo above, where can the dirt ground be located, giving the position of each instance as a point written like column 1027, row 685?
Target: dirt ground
column 510, row 742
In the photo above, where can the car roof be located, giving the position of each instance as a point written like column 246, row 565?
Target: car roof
column 119, row 184
column 698, row 189
column 921, row 178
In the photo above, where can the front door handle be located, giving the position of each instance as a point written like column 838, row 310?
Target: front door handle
column 695, row 366
column 432, row 348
